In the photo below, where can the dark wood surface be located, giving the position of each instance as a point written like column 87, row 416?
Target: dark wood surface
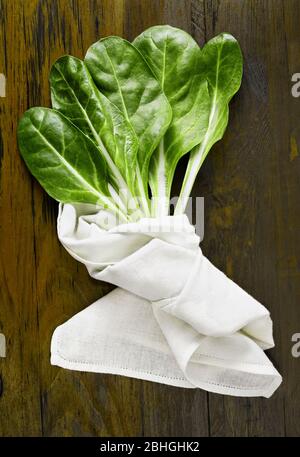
column 251, row 185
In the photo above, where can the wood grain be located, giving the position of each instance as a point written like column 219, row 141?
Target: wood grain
column 250, row 182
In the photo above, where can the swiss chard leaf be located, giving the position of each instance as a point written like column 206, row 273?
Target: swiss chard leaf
column 123, row 76
column 64, row 160
column 74, row 94
column 223, row 68
column 175, row 59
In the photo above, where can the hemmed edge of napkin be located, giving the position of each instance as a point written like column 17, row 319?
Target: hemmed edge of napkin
column 205, row 362
column 237, row 392
column 59, row 360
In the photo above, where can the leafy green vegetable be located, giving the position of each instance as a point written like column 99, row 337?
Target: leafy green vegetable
column 124, row 117
column 123, row 76
column 75, row 95
column 223, row 69
column 175, row 59
column 65, row 161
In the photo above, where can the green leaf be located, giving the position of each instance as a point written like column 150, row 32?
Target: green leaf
column 123, row 76
column 223, row 68
column 75, row 95
column 64, row 160
column 124, row 105
column 175, row 59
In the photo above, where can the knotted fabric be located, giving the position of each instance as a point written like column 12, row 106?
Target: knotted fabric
column 174, row 317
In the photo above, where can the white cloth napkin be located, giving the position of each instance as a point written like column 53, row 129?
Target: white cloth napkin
column 175, row 318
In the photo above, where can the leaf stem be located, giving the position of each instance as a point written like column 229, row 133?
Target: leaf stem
column 195, row 162
column 160, row 200
column 115, row 209
column 142, row 193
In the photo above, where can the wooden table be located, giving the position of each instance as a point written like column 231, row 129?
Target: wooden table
column 251, row 185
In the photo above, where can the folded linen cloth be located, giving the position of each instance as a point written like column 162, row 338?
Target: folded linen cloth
column 174, row 318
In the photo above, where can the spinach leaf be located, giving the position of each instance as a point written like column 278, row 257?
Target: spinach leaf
column 175, row 59
column 123, row 76
column 223, row 68
column 64, row 160
column 74, row 94
column 125, row 116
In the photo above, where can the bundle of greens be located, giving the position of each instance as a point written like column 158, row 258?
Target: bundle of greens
column 123, row 117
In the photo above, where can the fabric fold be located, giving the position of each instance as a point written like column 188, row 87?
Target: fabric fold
column 178, row 319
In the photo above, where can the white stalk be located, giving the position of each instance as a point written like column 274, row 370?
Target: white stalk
column 117, row 198
column 196, row 160
column 194, row 164
column 142, row 195
column 160, row 200
column 106, row 203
